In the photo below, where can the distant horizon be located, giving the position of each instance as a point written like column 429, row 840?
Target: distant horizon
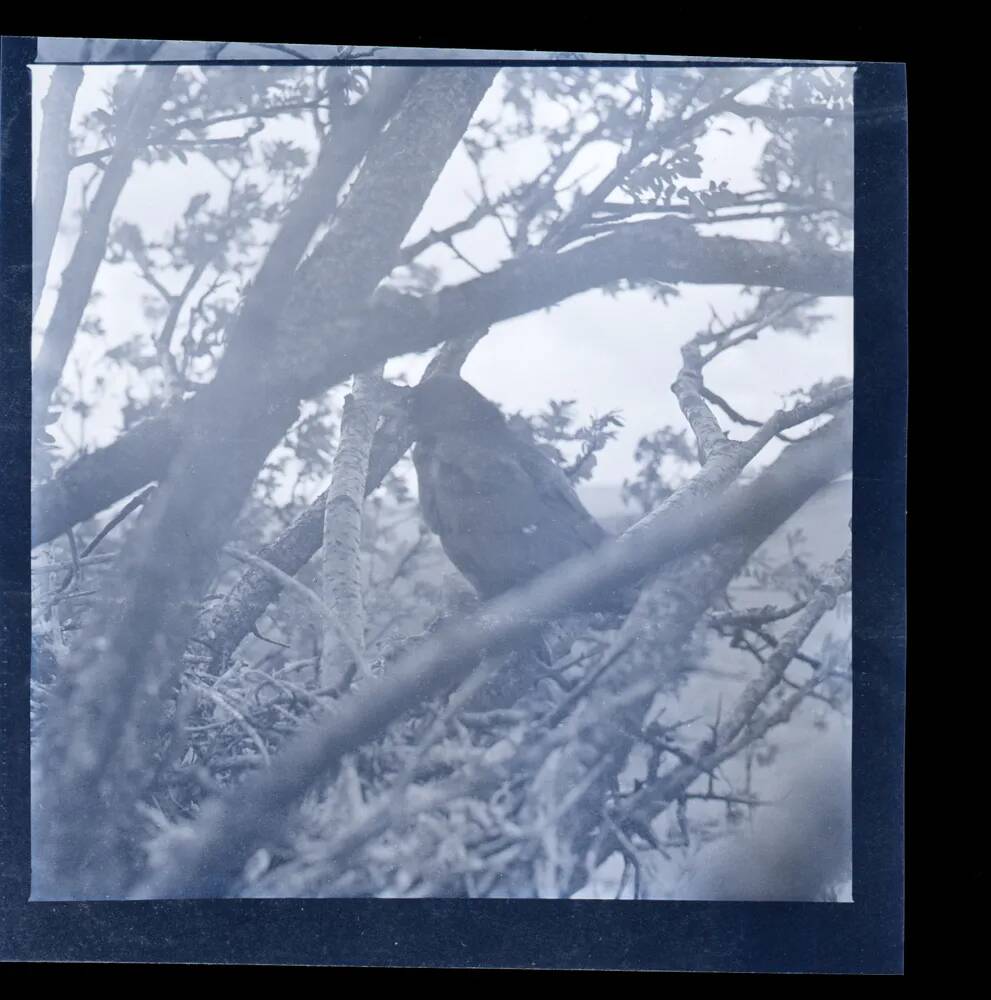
column 596, row 496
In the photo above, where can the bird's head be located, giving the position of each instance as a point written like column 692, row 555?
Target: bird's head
column 449, row 403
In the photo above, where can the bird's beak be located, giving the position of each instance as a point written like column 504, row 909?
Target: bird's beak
column 396, row 399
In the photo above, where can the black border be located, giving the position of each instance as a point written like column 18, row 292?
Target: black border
column 863, row 936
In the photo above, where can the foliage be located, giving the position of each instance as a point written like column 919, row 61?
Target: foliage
column 454, row 798
column 665, row 459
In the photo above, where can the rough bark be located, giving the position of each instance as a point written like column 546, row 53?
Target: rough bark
column 343, row 591
column 98, row 479
column 368, row 337
column 206, row 859
column 664, row 619
column 353, row 131
column 225, row 623
column 102, row 732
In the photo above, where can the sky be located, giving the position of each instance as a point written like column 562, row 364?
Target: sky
column 606, row 353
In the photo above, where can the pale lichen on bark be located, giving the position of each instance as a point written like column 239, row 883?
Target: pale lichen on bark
column 106, row 718
column 342, row 578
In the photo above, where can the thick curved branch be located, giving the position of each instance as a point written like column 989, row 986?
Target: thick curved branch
column 663, row 250
column 104, row 721
column 95, row 481
column 672, row 604
column 78, row 277
column 353, row 132
column 657, row 249
column 205, row 859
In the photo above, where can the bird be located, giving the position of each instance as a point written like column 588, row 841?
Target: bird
column 504, row 512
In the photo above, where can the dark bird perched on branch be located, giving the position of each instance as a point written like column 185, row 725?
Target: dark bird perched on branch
column 503, row 510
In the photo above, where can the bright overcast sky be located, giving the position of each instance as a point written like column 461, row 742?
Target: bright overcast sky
column 606, row 353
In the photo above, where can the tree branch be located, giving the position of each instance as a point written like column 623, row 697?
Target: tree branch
column 669, row 607
column 325, row 614
column 100, row 478
column 743, row 725
column 168, row 135
column 204, row 859
column 225, row 623
column 831, row 584
column 53, row 169
column 646, row 250
column 92, row 482
column 353, row 132
column 78, row 277
column 342, row 583
column 94, row 759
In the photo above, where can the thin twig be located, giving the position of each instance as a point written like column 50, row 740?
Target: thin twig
column 291, row 583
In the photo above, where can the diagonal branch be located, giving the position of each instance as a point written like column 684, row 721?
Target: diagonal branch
column 325, row 613
column 205, row 859
column 649, row 250
column 103, row 725
column 226, row 623
column 670, row 606
column 831, row 584
column 745, row 723
column 54, row 164
column 78, row 277
column 353, row 131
